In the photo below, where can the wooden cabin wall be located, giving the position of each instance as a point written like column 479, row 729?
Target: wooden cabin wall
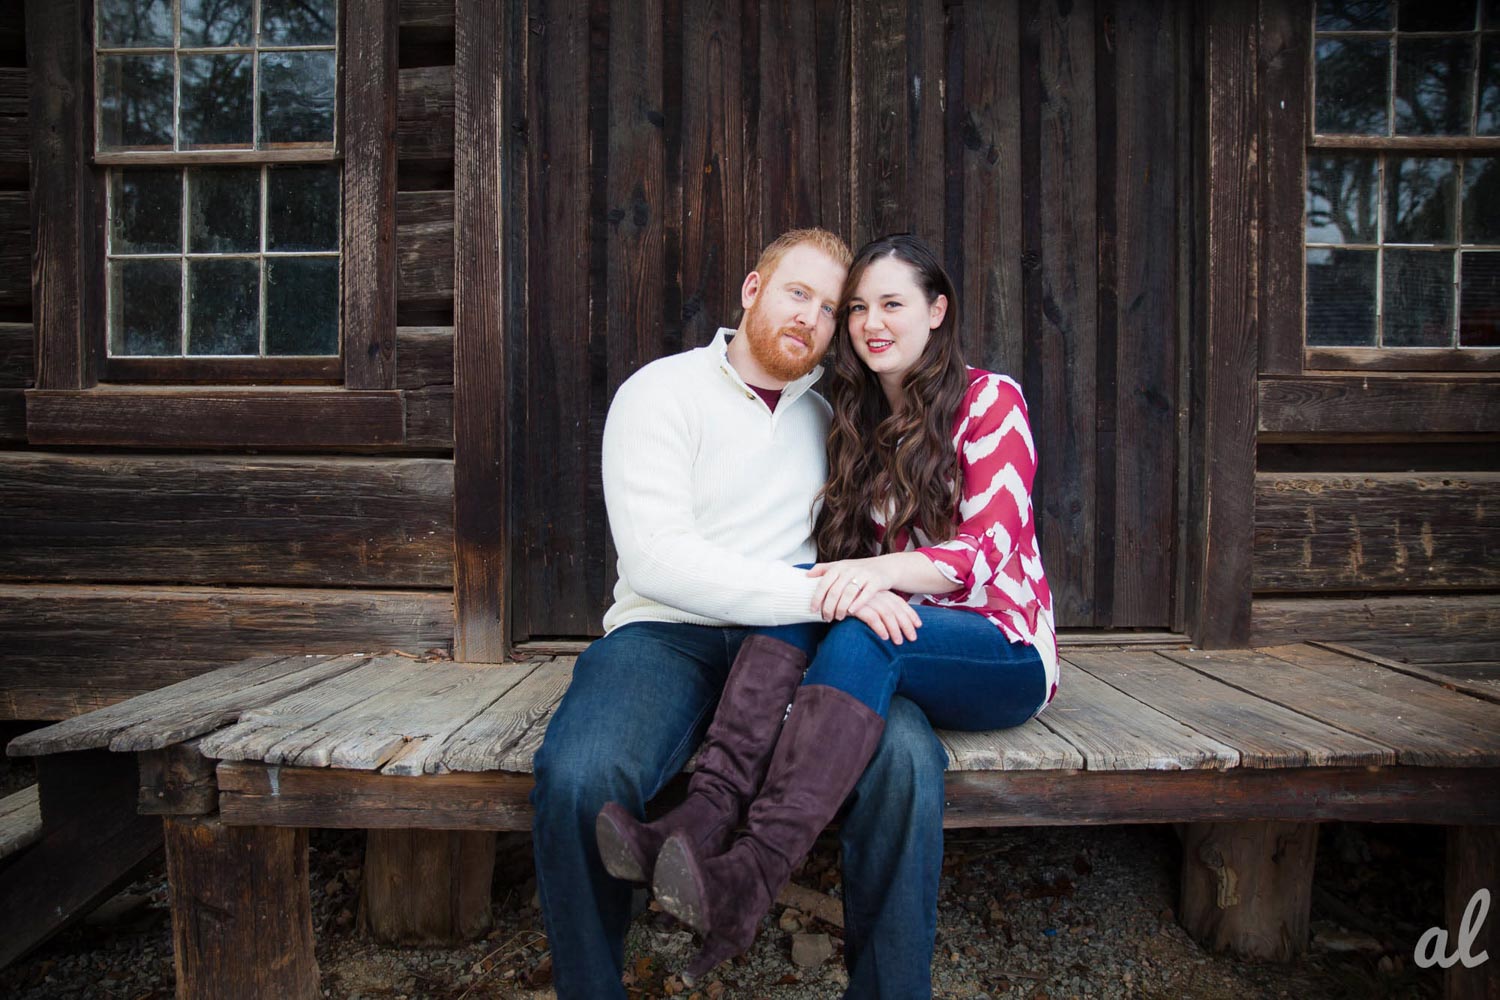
column 123, row 570
column 1377, row 493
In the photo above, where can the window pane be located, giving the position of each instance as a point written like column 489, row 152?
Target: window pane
column 1352, row 80
column 296, row 97
column 1479, row 316
column 1482, row 200
column 1492, row 13
column 1354, row 15
column 1342, row 199
column 1418, row 307
column 225, row 210
column 298, row 22
column 1448, row 15
column 216, row 101
column 1341, row 298
column 1434, row 85
column 303, row 208
column 145, row 304
column 131, row 24
column 145, row 211
column 1420, row 202
column 209, row 23
column 135, row 101
column 1489, row 86
column 223, row 307
column 302, row 305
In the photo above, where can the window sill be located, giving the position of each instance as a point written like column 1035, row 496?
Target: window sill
column 1401, row 359
column 283, row 417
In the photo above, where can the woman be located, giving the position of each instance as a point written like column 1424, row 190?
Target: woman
column 928, row 498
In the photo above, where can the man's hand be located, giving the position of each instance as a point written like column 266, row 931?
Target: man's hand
column 890, row 617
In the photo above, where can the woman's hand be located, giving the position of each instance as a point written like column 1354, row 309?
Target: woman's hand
column 890, row 617
column 846, row 585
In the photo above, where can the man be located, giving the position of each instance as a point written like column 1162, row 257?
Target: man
column 712, row 460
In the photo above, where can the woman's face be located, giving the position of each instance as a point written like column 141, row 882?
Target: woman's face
column 890, row 320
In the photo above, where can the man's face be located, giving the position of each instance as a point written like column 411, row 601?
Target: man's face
column 789, row 314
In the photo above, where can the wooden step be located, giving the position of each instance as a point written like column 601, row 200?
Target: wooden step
column 20, row 820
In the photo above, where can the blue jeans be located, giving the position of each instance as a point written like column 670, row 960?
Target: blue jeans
column 961, row 670
column 639, row 703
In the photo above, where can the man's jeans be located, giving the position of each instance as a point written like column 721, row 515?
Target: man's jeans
column 639, row 703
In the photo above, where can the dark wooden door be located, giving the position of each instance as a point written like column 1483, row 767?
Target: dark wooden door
column 1043, row 146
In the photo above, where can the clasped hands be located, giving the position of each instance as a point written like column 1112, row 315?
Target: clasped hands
column 865, row 588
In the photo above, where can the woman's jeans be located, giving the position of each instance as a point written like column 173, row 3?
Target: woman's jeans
column 638, row 705
column 961, row 670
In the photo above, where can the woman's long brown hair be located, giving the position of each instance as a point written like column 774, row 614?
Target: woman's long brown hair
column 903, row 458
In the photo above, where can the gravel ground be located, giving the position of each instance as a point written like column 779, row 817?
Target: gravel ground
column 1035, row 913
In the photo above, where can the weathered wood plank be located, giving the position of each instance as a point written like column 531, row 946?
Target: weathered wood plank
column 284, row 418
column 177, row 780
column 1117, row 733
column 506, row 734
column 1472, row 859
column 15, row 126
column 210, row 519
column 369, row 218
column 15, row 249
column 424, row 248
column 1283, row 59
column 1377, row 531
column 1060, row 225
column 1265, row 734
column 1387, row 405
column 424, row 113
column 1414, row 628
column 1031, row 746
column 1247, row 887
column 1475, row 678
column 449, row 711
column 262, row 794
column 490, row 193
column 71, row 649
column 183, row 711
column 17, row 368
column 425, row 376
column 1221, row 540
column 1137, row 540
column 20, row 820
column 1463, row 733
column 427, row 13
column 427, row 887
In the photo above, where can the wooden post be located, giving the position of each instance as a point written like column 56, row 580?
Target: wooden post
column 1247, row 887
column 427, row 886
column 241, row 911
column 1473, row 864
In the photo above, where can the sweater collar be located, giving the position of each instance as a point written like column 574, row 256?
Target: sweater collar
column 718, row 353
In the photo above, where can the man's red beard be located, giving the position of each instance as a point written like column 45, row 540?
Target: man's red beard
column 777, row 356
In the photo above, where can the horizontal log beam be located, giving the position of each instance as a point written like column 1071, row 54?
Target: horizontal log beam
column 209, row 519
column 424, row 112
column 1389, row 405
column 71, row 649
column 258, row 794
column 1377, row 531
column 424, row 248
column 1418, row 629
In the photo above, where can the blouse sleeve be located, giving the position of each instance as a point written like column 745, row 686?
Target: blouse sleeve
column 998, row 461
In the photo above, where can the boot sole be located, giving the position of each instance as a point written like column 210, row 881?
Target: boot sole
column 678, row 884
column 614, row 850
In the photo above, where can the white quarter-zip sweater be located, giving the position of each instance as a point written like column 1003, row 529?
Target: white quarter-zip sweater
column 710, row 494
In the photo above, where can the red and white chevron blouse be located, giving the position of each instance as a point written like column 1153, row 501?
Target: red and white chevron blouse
column 994, row 557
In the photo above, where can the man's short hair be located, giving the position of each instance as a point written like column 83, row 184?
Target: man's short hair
column 821, row 239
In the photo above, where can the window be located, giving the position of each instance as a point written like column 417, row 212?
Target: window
column 1402, row 208
column 216, row 126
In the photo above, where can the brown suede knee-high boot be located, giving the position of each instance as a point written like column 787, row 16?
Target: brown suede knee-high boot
column 736, row 750
column 825, row 746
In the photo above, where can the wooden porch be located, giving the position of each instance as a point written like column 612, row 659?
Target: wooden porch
column 1250, row 748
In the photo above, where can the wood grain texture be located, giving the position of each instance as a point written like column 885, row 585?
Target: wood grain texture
column 426, row 13
column 1476, row 678
column 369, row 216
column 490, row 46
column 15, row 250
column 1247, row 887
column 1265, row 734
column 241, row 910
column 286, row 418
column 20, row 820
column 1221, row 548
column 17, row 371
column 1412, row 628
column 1473, row 863
column 1032, row 746
column 424, row 249
column 1462, row 732
column 1377, row 531
column 15, row 126
column 222, row 520
column 425, row 377
column 1392, row 405
column 427, row 887
column 1283, row 58
column 71, row 649
column 424, row 113
column 176, row 780
column 492, row 739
